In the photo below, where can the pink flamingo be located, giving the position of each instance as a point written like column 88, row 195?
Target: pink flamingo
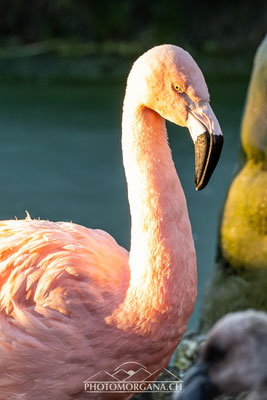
column 73, row 302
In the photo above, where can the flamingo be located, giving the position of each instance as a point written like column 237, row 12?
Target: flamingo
column 73, row 302
column 233, row 359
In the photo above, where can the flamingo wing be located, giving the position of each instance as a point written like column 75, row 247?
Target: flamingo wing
column 58, row 265
column 58, row 282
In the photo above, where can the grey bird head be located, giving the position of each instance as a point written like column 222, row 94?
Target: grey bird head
column 233, row 359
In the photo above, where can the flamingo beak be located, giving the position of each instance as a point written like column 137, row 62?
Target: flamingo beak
column 208, row 140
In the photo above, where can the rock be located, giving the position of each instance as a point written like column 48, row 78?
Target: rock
column 244, row 223
column 240, row 278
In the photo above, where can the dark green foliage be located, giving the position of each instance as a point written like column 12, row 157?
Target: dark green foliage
column 208, row 25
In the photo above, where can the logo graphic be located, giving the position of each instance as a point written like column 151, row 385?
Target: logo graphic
column 132, row 377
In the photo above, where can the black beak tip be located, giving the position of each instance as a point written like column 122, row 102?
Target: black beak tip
column 208, row 149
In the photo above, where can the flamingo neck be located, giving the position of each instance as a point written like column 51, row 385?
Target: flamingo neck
column 155, row 197
column 161, row 238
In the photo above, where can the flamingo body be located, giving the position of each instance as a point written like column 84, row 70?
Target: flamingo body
column 53, row 274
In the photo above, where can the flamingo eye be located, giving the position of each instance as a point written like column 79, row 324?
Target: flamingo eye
column 177, row 88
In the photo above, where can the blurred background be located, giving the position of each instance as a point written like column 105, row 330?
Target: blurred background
column 63, row 70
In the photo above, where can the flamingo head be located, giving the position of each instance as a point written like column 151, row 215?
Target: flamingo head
column 167, row 80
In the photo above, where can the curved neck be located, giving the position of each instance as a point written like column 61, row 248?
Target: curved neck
column 154, row 191
column 161, row 238
column 161, row 293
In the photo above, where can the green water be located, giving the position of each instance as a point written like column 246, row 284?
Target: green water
column 60, row 159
